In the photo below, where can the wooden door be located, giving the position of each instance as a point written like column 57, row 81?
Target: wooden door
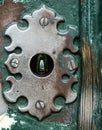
column 85, row 112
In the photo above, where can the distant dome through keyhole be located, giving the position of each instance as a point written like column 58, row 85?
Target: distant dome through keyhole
column 41, row 65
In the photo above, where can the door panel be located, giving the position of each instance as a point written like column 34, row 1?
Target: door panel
column 85, row 112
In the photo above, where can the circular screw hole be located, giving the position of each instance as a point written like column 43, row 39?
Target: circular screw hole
column 18, row 76
column 76, row 41
column 41, row 65
column 59, row 101
column 22, row 24
column 22, row 101
column 65, row 78
column 65, row 52
column 18, row 50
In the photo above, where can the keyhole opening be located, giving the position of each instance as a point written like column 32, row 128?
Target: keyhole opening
column 41, row 65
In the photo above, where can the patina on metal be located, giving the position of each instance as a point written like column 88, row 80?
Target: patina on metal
column 41, row 37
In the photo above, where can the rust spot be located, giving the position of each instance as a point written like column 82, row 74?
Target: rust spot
column 59, row 118
column 8, row 12
column 1, row 80
column 1, row 43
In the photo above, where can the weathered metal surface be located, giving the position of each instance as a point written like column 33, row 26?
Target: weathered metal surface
column 4, row 106
column 8, row 13
column 23, row 121
column 39, row 38
column 89, row 11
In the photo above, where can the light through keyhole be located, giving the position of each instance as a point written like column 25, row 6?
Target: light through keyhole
column 41, row 65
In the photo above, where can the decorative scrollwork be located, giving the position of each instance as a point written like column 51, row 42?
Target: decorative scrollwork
column 40, row 38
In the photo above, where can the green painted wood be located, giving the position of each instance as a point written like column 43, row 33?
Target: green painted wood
column 91, row 94
column 69, row 114
column 86, row 112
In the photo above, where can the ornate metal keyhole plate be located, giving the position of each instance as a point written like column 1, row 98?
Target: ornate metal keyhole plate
column 43, row 83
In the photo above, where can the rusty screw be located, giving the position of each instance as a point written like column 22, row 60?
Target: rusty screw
column 40, row 105
column 44, row 22
column 14, row 63
column 71, row 65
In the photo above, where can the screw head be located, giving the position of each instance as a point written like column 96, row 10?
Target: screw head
column 44, row 22
column 71, row 65
column 14, row 63
column 40, row 105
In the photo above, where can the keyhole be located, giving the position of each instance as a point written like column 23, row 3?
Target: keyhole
column 41, row 65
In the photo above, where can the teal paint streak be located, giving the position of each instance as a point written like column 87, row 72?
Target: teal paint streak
column 70, row 12
column 25, row 122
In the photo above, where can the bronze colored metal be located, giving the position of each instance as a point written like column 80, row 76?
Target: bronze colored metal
column 86, row 105
column 34, row 40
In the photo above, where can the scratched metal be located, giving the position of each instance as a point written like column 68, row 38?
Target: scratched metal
column 36, row 39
